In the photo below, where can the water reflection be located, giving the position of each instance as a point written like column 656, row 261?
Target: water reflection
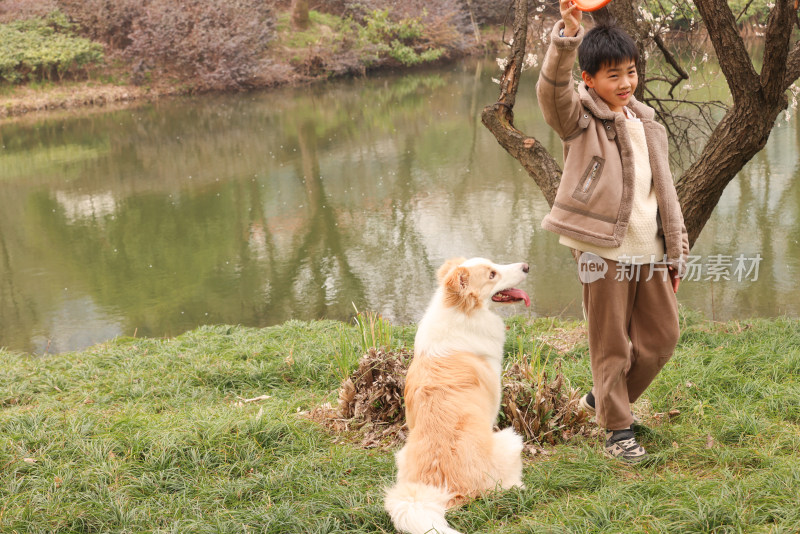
column 254, row 209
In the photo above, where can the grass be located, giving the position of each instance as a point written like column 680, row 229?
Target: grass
column 149, row 435
column 321, row 29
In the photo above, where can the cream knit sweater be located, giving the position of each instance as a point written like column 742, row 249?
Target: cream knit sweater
column 641, row 243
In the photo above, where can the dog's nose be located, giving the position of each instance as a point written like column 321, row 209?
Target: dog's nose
column 525, row 268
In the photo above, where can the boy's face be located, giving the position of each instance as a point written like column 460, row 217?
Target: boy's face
column 615, row 84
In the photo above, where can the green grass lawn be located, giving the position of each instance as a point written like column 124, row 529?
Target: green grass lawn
column 148, row 435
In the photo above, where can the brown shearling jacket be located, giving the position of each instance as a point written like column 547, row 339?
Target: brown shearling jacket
column 594, row 200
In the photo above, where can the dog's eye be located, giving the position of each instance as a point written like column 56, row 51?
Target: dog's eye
column 492, row 274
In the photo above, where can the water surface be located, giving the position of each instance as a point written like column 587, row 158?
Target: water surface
column 302, row 203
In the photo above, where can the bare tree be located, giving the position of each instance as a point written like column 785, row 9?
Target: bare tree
column 758, row 98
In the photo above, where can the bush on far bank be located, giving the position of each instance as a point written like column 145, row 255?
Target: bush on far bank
column 236, row 44
column 44, row 48
column 212, row 44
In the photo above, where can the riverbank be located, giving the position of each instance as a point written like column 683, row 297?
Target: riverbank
column 207, row 431
column 328, row 47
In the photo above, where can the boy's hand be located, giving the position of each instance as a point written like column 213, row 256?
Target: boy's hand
column 676, row 280
column 571, row 16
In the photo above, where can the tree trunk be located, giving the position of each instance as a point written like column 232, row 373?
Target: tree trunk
column 757, row 101
column 758, row 98
column 300, row 17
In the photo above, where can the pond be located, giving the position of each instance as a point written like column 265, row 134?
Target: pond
column 307, row 203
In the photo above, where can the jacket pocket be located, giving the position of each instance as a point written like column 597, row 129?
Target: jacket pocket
column 588, row 182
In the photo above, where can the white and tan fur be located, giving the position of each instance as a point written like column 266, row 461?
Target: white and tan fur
column 452, row 397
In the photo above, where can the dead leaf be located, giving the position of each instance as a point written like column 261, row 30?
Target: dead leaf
column 242, row 402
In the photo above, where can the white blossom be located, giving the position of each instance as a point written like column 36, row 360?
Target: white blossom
column 530, row 61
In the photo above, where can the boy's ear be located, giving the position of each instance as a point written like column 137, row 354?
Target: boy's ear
column 587, row 78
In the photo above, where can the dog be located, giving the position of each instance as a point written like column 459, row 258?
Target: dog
column 452, row 396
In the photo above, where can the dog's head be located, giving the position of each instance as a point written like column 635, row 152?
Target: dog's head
column 474, row 283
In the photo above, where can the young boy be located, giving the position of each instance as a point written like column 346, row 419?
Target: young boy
column 616, row 205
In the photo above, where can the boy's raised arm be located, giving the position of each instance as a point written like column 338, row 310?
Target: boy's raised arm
column 558, row 99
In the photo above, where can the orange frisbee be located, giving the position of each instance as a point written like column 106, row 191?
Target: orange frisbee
column 590, row 5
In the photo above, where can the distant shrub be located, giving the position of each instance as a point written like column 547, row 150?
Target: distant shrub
column 212, row 44
column 219, row 43
column 404, row 40
column 447, row 23
column 11, row 10
column 108, row 21
column 44, row 48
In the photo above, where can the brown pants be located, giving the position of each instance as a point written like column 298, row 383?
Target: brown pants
column 633, row 331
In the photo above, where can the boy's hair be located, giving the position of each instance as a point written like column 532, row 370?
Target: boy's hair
column 605, row 44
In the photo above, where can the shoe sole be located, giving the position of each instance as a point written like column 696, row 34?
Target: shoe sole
column 585, row 406
column 629, row 461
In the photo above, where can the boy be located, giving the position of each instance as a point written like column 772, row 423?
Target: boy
column 617, row 205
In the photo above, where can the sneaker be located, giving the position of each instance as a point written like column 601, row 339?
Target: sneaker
column 622, row 445
column 587, row 403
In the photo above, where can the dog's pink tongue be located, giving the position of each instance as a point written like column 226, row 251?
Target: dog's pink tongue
column 518, row 294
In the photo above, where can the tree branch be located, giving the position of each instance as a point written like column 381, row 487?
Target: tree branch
column 776, row 49
column 792, row 66
column 681, row 72
column 731, row 52
column 499, row 117
column 744, row 10
column 510, row 79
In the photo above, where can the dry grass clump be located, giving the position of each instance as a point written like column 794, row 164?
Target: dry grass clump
column 371, row 409
column 371, row 400
column 542, row 411
column 564, row 340
column 374, row 392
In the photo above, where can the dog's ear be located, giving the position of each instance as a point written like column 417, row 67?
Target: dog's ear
column 447, row 268
column 457, row 279
column 458, row 293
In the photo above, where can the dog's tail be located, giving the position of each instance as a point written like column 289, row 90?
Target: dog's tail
column 418, row 508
